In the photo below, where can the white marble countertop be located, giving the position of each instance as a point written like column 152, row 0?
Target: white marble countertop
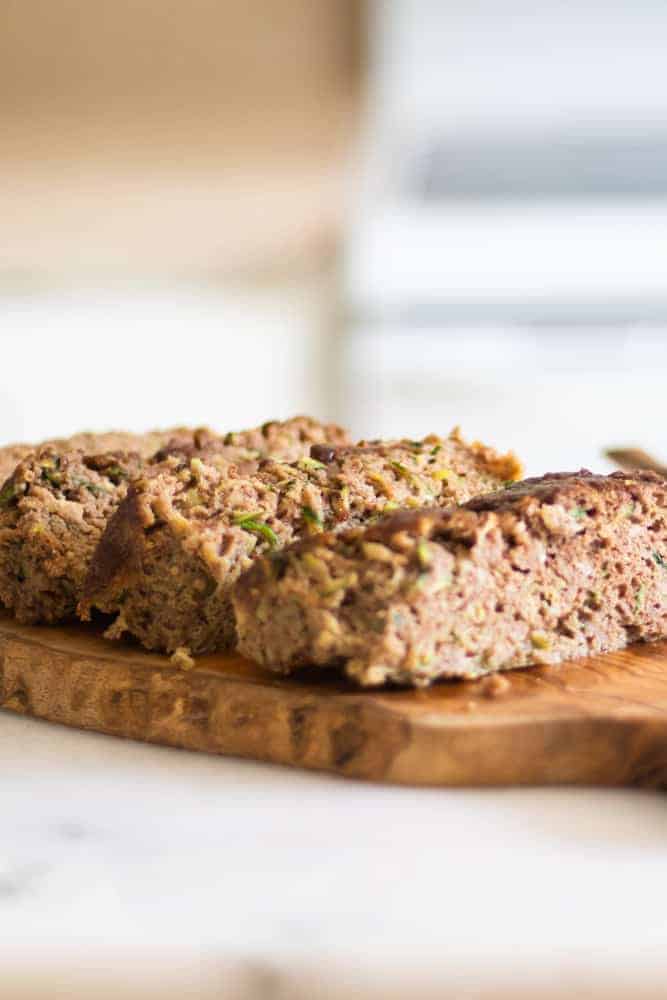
column 147, row 871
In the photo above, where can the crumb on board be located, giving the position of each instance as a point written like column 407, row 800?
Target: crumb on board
column 495, row 686
column 181, row 658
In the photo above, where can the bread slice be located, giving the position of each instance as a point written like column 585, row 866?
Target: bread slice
column 185, row 533
column 53, row 510
column 547, row 570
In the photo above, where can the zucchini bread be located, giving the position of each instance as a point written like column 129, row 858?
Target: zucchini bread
column 187, row 530
column 546, row 570
column 56, row 504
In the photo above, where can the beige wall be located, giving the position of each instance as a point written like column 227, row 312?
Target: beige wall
column 135, row 53
column 173, row 137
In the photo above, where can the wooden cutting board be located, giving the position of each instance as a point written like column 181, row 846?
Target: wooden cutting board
column 600, row 721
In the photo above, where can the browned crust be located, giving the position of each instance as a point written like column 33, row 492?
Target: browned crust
column 92, row 442
column 117, row 558
column 287, row 440
column 504, row 467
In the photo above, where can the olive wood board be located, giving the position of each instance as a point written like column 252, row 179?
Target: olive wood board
column 600, row 721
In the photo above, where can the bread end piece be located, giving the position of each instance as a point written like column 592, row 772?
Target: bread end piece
column 53, row 509
column 550, row 569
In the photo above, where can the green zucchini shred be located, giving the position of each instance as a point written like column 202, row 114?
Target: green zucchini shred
column 7, row 494
column 311, row 516
column 311, row 463
column 423, row 554
column 249, row 522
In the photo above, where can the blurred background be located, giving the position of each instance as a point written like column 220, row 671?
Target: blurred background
column 401, row 214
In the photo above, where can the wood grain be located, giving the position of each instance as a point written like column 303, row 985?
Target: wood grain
column 600, row 721
column 632, row 459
